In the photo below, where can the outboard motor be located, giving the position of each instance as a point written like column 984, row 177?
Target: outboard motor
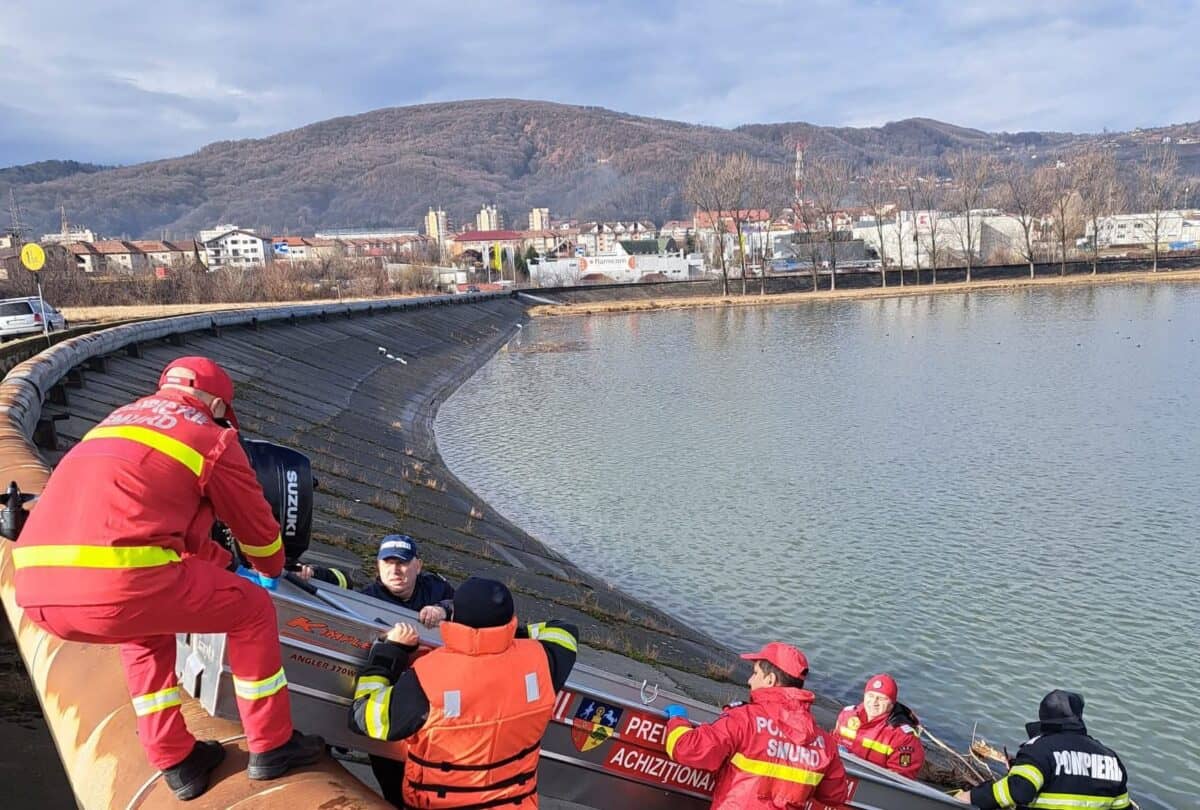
column 287, row 481
column 14, row 514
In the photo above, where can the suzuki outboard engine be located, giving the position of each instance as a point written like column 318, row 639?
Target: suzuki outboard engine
column 287, row 481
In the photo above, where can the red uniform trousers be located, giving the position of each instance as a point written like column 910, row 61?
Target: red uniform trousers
column 198, row 598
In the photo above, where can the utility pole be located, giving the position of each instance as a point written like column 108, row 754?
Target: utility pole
column 14, row 213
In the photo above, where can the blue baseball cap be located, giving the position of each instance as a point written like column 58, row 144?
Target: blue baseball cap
column 400, row 546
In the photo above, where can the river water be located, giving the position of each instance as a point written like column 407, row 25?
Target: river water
column 988, row 495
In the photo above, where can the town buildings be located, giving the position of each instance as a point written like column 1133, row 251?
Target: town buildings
column 539, row 219
column 488, row 219
column 437, row 226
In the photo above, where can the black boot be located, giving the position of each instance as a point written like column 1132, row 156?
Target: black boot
column 189, row 778
column 301, row 749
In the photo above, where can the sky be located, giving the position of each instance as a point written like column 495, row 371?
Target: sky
column 120, row 82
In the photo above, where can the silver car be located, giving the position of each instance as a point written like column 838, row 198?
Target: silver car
column 23, row 316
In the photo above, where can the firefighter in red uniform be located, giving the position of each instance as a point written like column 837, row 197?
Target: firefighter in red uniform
column 882, row 730
column 473, row 712
column 118, row 551
column 768, row 753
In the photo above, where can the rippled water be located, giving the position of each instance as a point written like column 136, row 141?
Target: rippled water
column 988, row 495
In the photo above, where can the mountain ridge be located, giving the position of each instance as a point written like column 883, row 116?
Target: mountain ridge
column 386, row 167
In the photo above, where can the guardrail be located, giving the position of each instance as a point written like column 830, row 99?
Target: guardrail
column 82, row 687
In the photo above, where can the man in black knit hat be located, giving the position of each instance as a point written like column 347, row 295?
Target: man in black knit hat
column 1059, row 767
column 474, row 710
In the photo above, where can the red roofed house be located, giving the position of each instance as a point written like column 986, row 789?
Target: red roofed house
column 86, row 257
column 484, row 242
column 120, row 257
column 704, row 220
column 168, row 254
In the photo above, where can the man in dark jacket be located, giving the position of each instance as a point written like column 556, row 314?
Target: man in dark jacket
column 400, row 581
column 1059, row 767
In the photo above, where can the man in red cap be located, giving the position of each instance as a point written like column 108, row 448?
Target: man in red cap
column 882, row 730
column 118, row 551
column 768, row 753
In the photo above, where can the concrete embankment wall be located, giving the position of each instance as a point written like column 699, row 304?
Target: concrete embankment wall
column 315, row 380
column 848, row 280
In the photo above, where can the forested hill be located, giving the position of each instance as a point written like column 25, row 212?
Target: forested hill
column 388, row 166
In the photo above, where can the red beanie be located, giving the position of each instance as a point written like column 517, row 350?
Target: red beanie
column 884, row 684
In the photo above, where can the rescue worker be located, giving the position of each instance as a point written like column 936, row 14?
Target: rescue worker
column 473, row 711
column 768, row 753
column 118, row 552
column 400, row 580
column 882, row 730
column 1060, row 766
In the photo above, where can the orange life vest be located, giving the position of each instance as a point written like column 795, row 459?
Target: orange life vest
column 490, row 700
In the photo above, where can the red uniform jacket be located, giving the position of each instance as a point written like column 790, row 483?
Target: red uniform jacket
column 768, row 753
column 139, row 492
column 889, row 740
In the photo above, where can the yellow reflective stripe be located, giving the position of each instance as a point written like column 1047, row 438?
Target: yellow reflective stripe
column 157, row 701
column 168, row 446
column 257, row 690
column 93, row 556
column 774, row 770
column 369, row 684
column 849, row 734
column 342, row 582
column 553, row 635
column 1029, row 772
column 876, row 745
column 262, row 551
column 1001, row 793
column 1076, row 801
column 377, row 713
column 673, row 739
column 1120, row 802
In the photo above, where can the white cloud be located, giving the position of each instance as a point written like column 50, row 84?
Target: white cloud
column 129, row 81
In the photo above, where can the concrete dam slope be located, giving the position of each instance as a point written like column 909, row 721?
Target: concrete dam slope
column 366, row 421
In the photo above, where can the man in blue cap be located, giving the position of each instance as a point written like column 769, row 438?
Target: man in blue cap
column 399, row 580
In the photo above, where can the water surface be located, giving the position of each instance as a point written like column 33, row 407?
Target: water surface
column 989, row 495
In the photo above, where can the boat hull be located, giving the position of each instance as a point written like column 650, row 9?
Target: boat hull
column 604, row 747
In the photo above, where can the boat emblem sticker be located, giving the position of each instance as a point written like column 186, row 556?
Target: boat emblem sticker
column 594, row 724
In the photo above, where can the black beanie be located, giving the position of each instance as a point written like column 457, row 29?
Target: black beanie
column 483, row 603
column 1059, row 711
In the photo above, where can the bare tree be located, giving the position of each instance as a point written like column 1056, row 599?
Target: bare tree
column 1063, row 208
column 930, row 197
column 766, row 191
column 707, row 189
column 753, row 186
column 1158, row 189
column 1027, row 196
column 806, row 246
column 907, row 186
column 1096, row 179
column 828, row 181
column 971, row 173
column 877, row 189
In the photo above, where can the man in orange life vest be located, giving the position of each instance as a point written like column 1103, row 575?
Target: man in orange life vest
column 473, row 711
column 768, row 753
column 882, row 730
column 118, row 551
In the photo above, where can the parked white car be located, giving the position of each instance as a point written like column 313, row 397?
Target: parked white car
column 23, row 316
